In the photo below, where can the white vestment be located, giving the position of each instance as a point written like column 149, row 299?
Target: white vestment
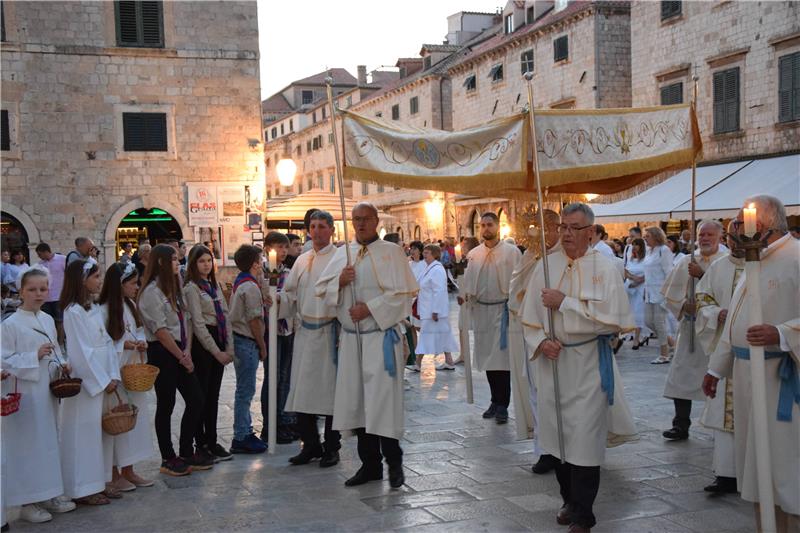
column 313, row 379
column 86, row 450
column 485, row 286
column 29, row 438
column 595, row 304
column 137, row 444
column 685, row 377
column 367, row 395
column 435, row 336
column 780, row 295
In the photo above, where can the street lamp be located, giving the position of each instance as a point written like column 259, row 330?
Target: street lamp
column 286, row 169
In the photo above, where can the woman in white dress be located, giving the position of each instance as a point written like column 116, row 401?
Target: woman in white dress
column 433, row 307
column 657, row 264
column 86, row 450
column 634, row 286
column 124, row 326
column 32, row 478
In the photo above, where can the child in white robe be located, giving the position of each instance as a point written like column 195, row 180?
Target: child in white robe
column 85, row 449
column 32, row 476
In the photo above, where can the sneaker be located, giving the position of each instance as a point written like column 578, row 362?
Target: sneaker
column 57, row 505
column 219, row 453
column 250, row 444
column 123, row 485
column 139, row 481
column 34, row 514
column 175, row 467
column 199, row 461
column 445, row 366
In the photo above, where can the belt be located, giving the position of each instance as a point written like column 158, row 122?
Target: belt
column 503, row 321
column 334, row 335
column 390, row 338
column 787, row 373
column 606, row 363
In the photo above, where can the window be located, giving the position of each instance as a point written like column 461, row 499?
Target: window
column 332, row 180
column 324, row 113
column 314, row 117
column 726, row 100
column 315, row 143
column 789, row 87
column 365, row 189
column 413, row 105
column 308, row 97
column 349, row 102
column 330, row 138
column 319, row 140
column 526, row 61
column 144, row 132
column 5, row 142
column 291, row 124
column 274, row 132
column 470, row 83
column 308, row 146
column 320, row 182
column 670, row 9
column 560, row 49
column 426, row 63
column 496, row 74
column 281, row 128
column 380, row 188
column 529, row 15
column 509, row 23
column 396, row 112
column 672, row 94
column 139, row 24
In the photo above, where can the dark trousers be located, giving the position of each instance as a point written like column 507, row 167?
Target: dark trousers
column 500, row 385
column 285, row 349
column 579, row 486
column 683, row 414
column 209, row 373
column 373, row 448
column 172, row 377
column 309, row 432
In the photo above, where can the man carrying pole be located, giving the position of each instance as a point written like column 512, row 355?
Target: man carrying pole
column 589, row 309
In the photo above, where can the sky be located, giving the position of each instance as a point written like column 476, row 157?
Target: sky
column 299, row 38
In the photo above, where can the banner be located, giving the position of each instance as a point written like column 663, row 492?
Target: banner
column 231, row 205
column 202, row 200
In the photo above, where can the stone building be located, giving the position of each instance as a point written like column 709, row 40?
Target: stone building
column 109, row 108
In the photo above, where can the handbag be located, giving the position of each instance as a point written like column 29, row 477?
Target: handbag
column 414, row 311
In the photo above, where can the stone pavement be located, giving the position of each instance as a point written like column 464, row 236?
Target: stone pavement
column 463, row 473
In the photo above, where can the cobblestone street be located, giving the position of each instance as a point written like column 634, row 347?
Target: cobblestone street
column 463, row 473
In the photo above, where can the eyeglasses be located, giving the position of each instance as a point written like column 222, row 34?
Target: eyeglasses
column 563, row 228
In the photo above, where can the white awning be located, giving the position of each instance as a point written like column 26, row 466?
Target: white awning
column 657, row 202
column 777, row 176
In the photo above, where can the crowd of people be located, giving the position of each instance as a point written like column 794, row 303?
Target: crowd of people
column 352, row 316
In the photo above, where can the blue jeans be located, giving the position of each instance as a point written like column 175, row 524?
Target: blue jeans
column 245, row 362
column 285, row 349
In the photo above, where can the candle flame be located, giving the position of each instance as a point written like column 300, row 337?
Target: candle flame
column 751, row 206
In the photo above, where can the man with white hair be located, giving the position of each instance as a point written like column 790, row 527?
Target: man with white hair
column 780, row 336
column 685, row 378
column 590, row 308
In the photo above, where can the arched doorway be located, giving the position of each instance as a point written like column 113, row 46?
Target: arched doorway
column 475, row 224
column 505, row 227
column 417, row 233
column 13, row 235
column 154, row 224
column 401, row 233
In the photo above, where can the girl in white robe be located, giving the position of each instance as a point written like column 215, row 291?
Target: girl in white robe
column 86, row 451
column 435, row 336
column 32, row 478
column 124, row 326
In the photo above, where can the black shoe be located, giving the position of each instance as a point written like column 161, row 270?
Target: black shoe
column 363, row 476
column 396, row 476
column 329, row 459
column 676, row 434
column 491, row 411
column 199, row 461
column 722, row 485
column 306, row 455
column 218, row 453
column 175, row 467
column 501, row 414
column 545, row 464
column 563, row 515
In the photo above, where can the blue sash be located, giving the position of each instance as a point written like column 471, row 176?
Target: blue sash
column 390, row 338
column 503, row 321
column 790, row 381
column 334, row 334
column 606, row 365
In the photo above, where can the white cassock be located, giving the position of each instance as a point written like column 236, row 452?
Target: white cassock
column 713, row 294
column 780, row 294
column 30, row 440
column 685, row 377
column 137, row 444
column 435, row 337
column 485, row 286
column 86, row 450
column 313, row 379
column 595, row 304
column 369, row 390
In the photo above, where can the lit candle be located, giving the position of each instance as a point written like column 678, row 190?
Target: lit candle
column 458, row 253
column 750, row 220
column 273, row 260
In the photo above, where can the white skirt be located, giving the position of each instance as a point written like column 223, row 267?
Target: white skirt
column 435, row 337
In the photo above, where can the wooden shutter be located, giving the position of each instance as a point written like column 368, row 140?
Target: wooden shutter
column 152, row 28
column 672, row 94
column 145, row 132
column 560, row 49
column 732, row 99
column 789, row 87
column 719, row 102
column 5, row 141
column 670, row 9
column 140, row 24
column 127, row 27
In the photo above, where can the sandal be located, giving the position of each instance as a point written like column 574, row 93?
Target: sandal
column 660, row 360
column 112, row 492
column 94, row 499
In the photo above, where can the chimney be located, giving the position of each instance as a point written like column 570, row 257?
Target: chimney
column 362, row 75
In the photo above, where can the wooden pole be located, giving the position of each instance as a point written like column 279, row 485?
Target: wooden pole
column 692, row 281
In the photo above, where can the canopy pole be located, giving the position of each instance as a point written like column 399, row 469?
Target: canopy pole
column 340, row 181
column 545, row 265
column 692, row 281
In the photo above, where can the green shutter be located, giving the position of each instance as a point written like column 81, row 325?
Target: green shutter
column 5, row 141
column 140, row 24
column 719, row 102
column 732, row 99
column 672, row 94
column 785, row 87
column 145, row 132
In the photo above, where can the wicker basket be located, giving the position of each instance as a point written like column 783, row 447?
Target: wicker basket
column 10, row 402
column 139, row 377
column 120, row 419
column 65, row 386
